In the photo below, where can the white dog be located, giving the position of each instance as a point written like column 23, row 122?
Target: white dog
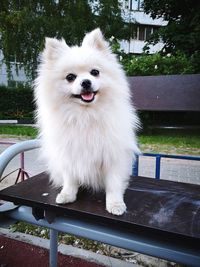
column 86, row 120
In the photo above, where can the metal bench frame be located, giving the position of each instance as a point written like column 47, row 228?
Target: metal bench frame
column 93, row 230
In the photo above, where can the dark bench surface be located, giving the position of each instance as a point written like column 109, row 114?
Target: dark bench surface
column 163, row 206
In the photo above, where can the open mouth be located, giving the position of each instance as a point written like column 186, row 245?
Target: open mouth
column 86, row 97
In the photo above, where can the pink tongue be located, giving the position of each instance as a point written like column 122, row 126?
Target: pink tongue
column 87, row 97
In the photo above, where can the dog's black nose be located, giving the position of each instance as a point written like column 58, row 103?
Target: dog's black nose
column 86, row 84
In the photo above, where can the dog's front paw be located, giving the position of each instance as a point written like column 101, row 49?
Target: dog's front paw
column 116, row 207
column 63, row 198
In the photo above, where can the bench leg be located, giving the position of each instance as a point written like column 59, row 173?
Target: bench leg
column 53, row 257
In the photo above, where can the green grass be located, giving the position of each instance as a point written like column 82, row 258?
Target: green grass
column 159, row 143
column 171, row 144
column 176, row 140
column 18, row 131
column 43, row 232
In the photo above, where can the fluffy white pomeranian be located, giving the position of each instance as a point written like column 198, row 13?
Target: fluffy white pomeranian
column 86, row 120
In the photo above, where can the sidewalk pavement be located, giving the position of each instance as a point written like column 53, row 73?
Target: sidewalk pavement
column 33, row 165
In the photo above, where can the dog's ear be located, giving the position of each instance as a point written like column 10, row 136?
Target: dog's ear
column 96, row 40
column 54, row 48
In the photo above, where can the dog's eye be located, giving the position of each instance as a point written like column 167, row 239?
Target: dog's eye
column 71, row 77
column 94, row 72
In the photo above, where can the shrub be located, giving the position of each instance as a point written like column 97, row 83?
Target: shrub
column 158, row 64
column 16, row 103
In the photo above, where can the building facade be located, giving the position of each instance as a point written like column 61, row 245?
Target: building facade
column 14, row 76
column 143, row 27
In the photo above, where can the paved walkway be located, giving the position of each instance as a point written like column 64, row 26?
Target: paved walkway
column 171, row 169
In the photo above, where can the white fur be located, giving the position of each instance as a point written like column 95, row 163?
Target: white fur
column 90, row 144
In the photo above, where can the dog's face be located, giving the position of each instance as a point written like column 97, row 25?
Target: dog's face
column 82, row 75
column 83, row 78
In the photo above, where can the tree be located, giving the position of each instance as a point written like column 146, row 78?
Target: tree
column 25, row 24
column 109, row 17
column 183, row 30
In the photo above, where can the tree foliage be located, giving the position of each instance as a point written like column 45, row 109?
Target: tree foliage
column 109, row 18
column 25, row 24
column 183, row 30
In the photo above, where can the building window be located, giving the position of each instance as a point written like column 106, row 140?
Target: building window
column 136, row 4
column 143, row 32
column 148, row 32
column 126, row 4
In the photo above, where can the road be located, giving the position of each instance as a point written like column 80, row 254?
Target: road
column 171, row 169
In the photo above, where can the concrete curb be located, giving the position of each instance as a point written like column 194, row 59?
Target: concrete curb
column 67, row 250
column 8, row 122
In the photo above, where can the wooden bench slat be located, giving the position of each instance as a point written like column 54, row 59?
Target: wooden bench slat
column 152, row 205
column 166, row 93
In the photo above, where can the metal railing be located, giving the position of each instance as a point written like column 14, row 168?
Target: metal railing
column 21, row 170
column 158, row 158
column 21, row 147
column 93, row 230
column 14, row 149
